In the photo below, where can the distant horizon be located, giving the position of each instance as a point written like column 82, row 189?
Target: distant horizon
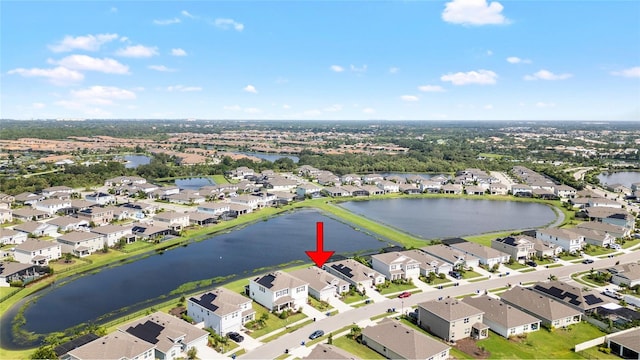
column 322, row 60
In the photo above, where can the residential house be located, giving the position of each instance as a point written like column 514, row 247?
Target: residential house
column 595, row 237
column 354, row 190
column 113, row 233
column 451, row 256
column 6, row 200
column 394, row 340
column 172, row 336
column 278, row 291
column 280, row 184
column 351, row 179
column 451, row 189
column 430, row 186
column 308, row 171
column 81, row 243
column 327, row 178
column 118, row 345
column 52, row 206
column 165, row 191
column 415, row 179
column 498, row 189
column 396, row 266
column 409, row 188
column 521, row 190
column 8, row 236
column 396, row 179
column 13, row 271
column 551, row 312
column 475, row 190
column 144, row 187
column 96, row 215
column 37, row 252
column 371, row 190
column 28, row 198
column 388, row 186
column 284, row 198
column 335, row 191
column 172, row 219
column 221, row 310
column 451, row 319
column 54, row 190
column 266, row 199
column 36, row 229
column 150, row 232
column 619, row 189
column 625, row 274
column 101, row 198
column 6, row 215
column 502, row 318
column 579, row 202
column 486, row 255
column 604, row 202
column 625, row 344
column 79, row 204
column 236, row 210
column 329, row 352
column 579, row 298
column 247, row 200
column 139, row 210
column 519, row 247
column 322, row 285
column 545, row 249
column 428, row 263
column 27, row 214
column 613, row 230
column 372, row 178
column 308, row 189
column 69, row 223
column 355, row 273
column 565, row 191
column 215, row 209
column 613, row 216
column 569, row 240
column 241, row 173
column 200, row 218
column 186, row 197
column 124, row 180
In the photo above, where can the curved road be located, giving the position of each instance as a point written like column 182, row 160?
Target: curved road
column 290, row 341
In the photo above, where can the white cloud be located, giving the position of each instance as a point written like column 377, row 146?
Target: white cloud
column 393, row 70
column 124, row 39
column 185, row 13
column 227, row 24
column 137, row 51
column 482, row 77
column 633, row 72
column 252, row 110
column 182, row 88
column 87, row 42
column 58, row 76
column 474, row 12
column 361, row 69
column 38, row 105
column 488, row 107
column 88, row 63
column 161, row 68
column 547, row 75
column 167, row 21
column 409, row 98
column 286, row 107
column 368, row 111
column 431, row 88
column 251, row 89
column 333, row 108
column 541, row 104
column 336, row 68
column 178, row 52
column 232, row 107
column 102, row 95
column 517, row 60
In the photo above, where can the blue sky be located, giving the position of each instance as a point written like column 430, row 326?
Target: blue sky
column 423, row 60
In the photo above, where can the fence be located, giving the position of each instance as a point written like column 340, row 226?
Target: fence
column 589, row 344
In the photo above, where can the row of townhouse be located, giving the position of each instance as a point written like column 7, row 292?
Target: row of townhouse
column 535, row 183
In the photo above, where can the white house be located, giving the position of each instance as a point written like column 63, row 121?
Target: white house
column 503, row 318
column 388, row 186
column 6, row 215
column 221, row 310
column 48, row 192
column 569, row 240
column 52, row 206
column 278, row 291
column 485, row 254
column 308, row 189
column 36, row 229
column 322, row 285
column 216, row 209
column 37, row 252
column 355, row 273
column 247, row 200
column 518, row 247
column 428, row 263
column 565, row 191
column 81, row 243
column 625, row 274
column 394, row 266
column 8, row 236
column 101, row 198
column 173, row 220
column 113, row 233
column 117, row 345
column 604, row 202
column 68, row 223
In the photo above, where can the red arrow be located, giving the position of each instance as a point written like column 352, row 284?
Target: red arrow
column 319, row 256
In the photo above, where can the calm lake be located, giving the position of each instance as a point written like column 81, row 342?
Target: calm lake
column 625, row 178
column 193, row 183
column 133, row 161
column 436, row 218
column 264, row 244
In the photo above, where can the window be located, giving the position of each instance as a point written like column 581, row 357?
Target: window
column 467, row 331
column 525, row 327
column 512, row 331
column 261, row 289
column 300, row 289
column 466, row 320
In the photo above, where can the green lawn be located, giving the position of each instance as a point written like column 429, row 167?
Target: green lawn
column 394, row 288
column 485, row 239
column 594, row 353
column 515, row 266
column 219, row 179
column 320, row 305
column 290, row 329
column 438, row 281
column 364, row 303
column 630, row 243
column 470, row 274
column 348, row 299
column 598, row 250
column 570, row 257
column 274, row 322
column 359, row 350
column 530, row 269
column 5, row 291
column 137, row 245
column 541, row 344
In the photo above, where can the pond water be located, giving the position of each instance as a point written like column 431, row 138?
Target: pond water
column 437, row 218
column 269, row 156
column 625, row 178
column 264, row 244
column 406, row 175
column 194, row 183
column 133, row 161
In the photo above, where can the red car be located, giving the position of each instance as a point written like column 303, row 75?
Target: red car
column 405, row 294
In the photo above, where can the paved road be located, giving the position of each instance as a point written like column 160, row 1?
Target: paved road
column 503, row 178
column 276, row 348
column 579, row 172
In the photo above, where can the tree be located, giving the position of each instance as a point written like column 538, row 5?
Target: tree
column 68, row 257
column 192, row 353
column 330, row 339
column 44, row 352
column 355, row 332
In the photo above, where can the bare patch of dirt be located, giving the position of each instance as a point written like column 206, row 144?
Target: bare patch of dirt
column 469, row 347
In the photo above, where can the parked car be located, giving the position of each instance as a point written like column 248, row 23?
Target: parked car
column 532, row 263
column 405, row 294
column 456, row 275
column 587, row 261
column 612, row 294
column 316, row 334
column 235, row 336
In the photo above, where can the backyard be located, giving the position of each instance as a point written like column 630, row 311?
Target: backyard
column 355, row 348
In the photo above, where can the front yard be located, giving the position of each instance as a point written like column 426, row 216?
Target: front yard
column 355, row 348
column 515, row 266
column 598, row 250
column 394, row 288
column 629, row 243
column 349, row 299
column 271, row 323
column 319, row 305
column 470, row 274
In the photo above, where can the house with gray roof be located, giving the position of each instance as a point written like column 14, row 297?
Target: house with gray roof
column 172, row 336
column 118, row 345
column 625, row 344
column 396, row 266
column 579, row 298
column 451, row 256
column 595, row 237
column 451, row 319
column 394, row 340
column 36, row 229
column 13, row 271
column 322, row 285
column 568, row 240
column 613, row 216
column 614, row 230
column 486, row 255
column 519, row 247
column 81, row 243
column 355, row 273
column 69, row 223
column 221, row 310
column 625, row 274
column 427, row 263
column 551, row 312
column 503, row 318
column 278, row 291
column 329, row 352
column 8, row 236
column 28, row 214
column 37, row 252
